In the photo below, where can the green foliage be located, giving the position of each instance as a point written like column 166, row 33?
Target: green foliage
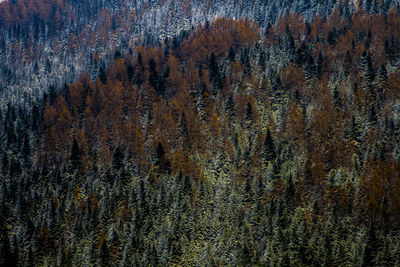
column 224, row 171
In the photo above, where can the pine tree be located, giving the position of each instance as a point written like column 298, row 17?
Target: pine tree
column 117, row 160
column 102, row 75
column 332, row 37
column 301, row 54
column 161, row 159
column 231, row 54
column 249, row 113
column 363, row 61
column 214, row 73
column 52, row 94
column 370, row 248
column 230, row 107
column 262, row 61
column 269, row 147
column 105, row 258
column 75, row 152
column 309, row 69
column 153, row 77
column 369, row 71
column 9, row 258
column 382, row 80
column 348, row 63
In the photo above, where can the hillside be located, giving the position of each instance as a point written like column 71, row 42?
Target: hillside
column 220, row 135
column 45, row 43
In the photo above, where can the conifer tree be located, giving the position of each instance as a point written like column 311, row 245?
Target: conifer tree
column 75, row 153
column 269, row 152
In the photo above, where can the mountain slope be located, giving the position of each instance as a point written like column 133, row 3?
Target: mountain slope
column 56, row 41
column 225, row 145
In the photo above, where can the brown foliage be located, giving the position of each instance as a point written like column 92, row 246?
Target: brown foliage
column 23, row 11
column 222, row 34
column 378, row 197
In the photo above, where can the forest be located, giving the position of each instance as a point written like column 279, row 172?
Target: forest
column 50, row 43
column 233, row 143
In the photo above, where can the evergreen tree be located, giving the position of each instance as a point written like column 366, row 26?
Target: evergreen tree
column 153, row 76
column 370, row 248
column 118, row 157
column 231, row 54
column 262, row 61
column 161, row 159
column 249, row 113
column 348, row 63
column 269, row 147
column 102, row 75
column 369, row 71
column 230, row 107
column 75, row 152
column 214, row 73
column 382, row 79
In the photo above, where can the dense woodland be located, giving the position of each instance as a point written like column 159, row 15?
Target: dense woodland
column 47, row 43
column 232, row 143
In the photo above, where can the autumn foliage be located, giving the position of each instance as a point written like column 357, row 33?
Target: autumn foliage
column 23, row 11
column 170, row 109
column 218, row 37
